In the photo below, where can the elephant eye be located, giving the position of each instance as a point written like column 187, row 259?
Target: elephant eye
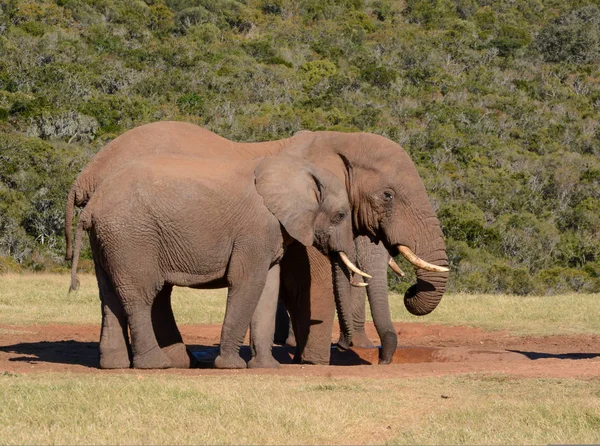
column 338, row 217
column 387, row 196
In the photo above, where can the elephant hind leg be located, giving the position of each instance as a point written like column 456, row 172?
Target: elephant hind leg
column 115, row 350
column 245, row 289
column 147, row 354
column 167, row 334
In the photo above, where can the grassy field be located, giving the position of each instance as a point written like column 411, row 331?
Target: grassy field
column 43, row 298
column 156, row 408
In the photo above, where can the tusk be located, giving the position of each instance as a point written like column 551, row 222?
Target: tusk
column 358, row 284
column 351, row 266
column 420, row 263
column 394, row 266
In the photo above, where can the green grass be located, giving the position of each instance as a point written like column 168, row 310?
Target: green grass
column 43, row 298
column 158, row 409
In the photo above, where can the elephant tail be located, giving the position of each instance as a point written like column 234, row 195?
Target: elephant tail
column 81, row 226
column 69, row 222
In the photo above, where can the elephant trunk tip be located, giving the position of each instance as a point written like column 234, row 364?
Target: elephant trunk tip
column 420, row 299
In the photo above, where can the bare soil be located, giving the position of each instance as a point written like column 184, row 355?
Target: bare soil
column 424, row 350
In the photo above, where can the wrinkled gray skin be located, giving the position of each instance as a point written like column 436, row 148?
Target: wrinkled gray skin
column 172, row 220
column 369, row 165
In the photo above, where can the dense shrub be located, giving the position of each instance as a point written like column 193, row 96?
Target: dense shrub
column 573, row 37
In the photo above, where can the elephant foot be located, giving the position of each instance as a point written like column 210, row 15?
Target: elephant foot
column 389, row 342
column 360, row 339
column 312, row 358
column 307, row 361
column 263, row 362
column 115, row 360
column 230, row 361
column 152, row 359
column 179, row 356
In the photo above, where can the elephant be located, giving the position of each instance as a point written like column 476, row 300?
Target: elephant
column 389, row 206
column 173, row 220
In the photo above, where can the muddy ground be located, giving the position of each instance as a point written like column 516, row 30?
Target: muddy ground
column 424, row 350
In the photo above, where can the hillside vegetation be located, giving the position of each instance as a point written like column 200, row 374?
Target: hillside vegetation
column 497, row 102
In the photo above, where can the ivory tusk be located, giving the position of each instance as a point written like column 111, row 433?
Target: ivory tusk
column 358, row 284
column 394, row 267
column 420, row 263
column 351, row 266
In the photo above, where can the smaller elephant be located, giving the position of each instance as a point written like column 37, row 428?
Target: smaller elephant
column 174, row 220
column 372, row 259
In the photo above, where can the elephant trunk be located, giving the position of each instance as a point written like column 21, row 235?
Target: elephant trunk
column 425, row 295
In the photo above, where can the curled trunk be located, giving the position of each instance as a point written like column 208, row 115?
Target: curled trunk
column 424, row 296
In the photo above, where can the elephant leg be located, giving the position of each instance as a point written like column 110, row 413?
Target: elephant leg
column 374, row 259
column 284, row 331
column 245, row 289
column 308, row 290
column 115, row 350
column 167, row 334
column 291, row 336
column 282, row 323
column 147, row 354
column 262, row 327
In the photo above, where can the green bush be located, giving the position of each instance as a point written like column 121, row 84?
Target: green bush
column 431, row 13
column 510, row 38
column 191, row 17
column 573, row 37
column 191, row 104
column 465, row 221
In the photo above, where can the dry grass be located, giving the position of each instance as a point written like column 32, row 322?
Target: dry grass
column 531, row 315
column 159, row 409
column 43, row 298
column 154, row 408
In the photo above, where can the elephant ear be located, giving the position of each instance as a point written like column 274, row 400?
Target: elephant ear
column 292, row 192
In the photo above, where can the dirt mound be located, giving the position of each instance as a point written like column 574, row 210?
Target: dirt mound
column 425, row 350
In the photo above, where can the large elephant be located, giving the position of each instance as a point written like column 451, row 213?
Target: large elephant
column 174, row 220
column 390, row 207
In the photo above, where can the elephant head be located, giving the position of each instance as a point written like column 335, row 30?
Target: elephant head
column 312, row 206
column 388, row 203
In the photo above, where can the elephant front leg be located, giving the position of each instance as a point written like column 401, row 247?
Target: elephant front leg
column 245, row 289
column 321, row 311
column 167, row 334
column 115, row 350
column 308, row 292
column 262, row 327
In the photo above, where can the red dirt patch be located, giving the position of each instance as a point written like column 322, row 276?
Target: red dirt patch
column 425, row 350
